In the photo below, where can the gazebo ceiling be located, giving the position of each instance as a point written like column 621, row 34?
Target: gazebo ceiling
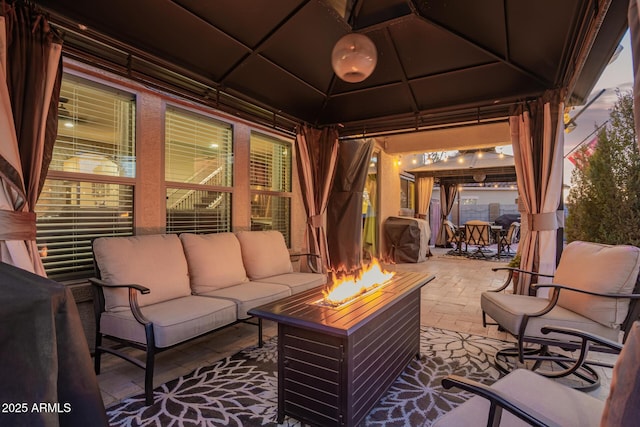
column 440, row 63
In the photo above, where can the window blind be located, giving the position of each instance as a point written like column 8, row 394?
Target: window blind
column 198, row 157
column 73, row 213
column 96, row 138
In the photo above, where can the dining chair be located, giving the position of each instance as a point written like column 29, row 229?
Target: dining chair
column 478, row 233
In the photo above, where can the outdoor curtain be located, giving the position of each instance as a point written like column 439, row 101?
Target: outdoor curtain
column 30, row 75
column 317, row 153
column 344, row 212
column 448, row 194
column 537, row 136
column 424, row 187
column 634, row 31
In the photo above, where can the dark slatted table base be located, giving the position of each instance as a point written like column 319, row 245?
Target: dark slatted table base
column 335, row 364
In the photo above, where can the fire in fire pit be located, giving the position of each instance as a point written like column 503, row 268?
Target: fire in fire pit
column 348, row 287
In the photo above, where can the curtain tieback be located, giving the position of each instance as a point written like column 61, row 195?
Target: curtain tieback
column 543, row 221
column 17, row 225
column 315, row 221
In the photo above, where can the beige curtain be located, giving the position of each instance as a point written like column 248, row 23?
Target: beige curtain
column 424, row 187
column 317, row 154
column 30, row 72
column 448, row 194
column 634, row 31
column 538, row 139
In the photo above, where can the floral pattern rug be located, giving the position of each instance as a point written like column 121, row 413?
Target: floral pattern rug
column 241, row 390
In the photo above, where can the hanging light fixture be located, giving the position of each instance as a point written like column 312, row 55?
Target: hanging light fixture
column 354, row 57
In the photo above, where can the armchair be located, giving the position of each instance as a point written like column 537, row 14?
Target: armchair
column 525, row 398
column 592, row 292
column 478, row 233
column 454, row 236
column 506, row 239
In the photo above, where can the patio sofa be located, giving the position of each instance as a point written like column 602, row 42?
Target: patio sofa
column 157, row 291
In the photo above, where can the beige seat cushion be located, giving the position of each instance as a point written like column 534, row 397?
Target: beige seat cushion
column 174, row 321
column 556, row 402
column 598, row 268
column 264, row 253
column 298, row 282
column 214, row 260
column 155, row 261
column 250, row 294
column 508, row 310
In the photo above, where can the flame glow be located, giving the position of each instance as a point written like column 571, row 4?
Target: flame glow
column 351, row 286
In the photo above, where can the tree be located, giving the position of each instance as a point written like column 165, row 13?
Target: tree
column 604, row 201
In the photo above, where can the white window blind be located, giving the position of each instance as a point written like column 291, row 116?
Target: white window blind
column 96, row 139
column 270, row 180
column 270, row 164
column 198, row 172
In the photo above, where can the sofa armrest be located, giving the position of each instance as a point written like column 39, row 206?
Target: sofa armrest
column 309, row 257
column 133, row 297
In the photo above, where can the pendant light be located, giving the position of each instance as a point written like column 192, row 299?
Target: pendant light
column 354, row 57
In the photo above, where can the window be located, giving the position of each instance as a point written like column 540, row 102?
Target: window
column 88, row 192
column 198, row 173
column 270, row 180
column 407, row 192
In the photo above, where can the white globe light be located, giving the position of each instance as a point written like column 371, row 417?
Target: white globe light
column 354, row 58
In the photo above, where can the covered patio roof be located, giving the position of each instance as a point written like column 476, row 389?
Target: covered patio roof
column 470, row 167
column 440, row 64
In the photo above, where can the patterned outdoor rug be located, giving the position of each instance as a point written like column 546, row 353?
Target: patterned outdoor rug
column 241, row 390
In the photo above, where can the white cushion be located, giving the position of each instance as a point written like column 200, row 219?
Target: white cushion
column 214, row 260
column 251, row 294
column 174, row 321
column 155, row 261
column 298, row 282
column 552, row 400
column 598, row 268
column 264, row 253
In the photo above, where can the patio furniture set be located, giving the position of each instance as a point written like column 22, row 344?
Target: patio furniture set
column 205, row 282
column 481, row 235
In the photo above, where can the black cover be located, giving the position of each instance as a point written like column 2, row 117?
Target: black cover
column 44, row 358
column 402, row 237
column 506, row 220
column 344, row 210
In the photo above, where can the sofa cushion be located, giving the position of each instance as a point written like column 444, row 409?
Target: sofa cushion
column 598, row 268
column 214, row 260
column 174, row 321
column 298, row 282
column 155, row 261
column 264, row 253
column 250, row 294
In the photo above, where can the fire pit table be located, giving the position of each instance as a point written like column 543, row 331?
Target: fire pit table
column 334, row 363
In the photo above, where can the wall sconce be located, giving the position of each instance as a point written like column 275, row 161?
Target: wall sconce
column 354, row 57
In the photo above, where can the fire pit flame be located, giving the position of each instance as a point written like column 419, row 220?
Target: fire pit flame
column 350, row 286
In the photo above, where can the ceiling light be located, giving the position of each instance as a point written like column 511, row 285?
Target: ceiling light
column 479, row 177
column 354, row 57
column 480, row 154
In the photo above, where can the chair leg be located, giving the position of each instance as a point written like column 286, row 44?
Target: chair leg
column 148, row 376
column 260, row 341
column 97, row 353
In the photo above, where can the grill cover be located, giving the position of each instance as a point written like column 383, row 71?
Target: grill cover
column 407, row 239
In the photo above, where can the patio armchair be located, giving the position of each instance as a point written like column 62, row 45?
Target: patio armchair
column 595, row 290
column 524, row 398
column 454, row 237
column 507, row 239
column 478, row 233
